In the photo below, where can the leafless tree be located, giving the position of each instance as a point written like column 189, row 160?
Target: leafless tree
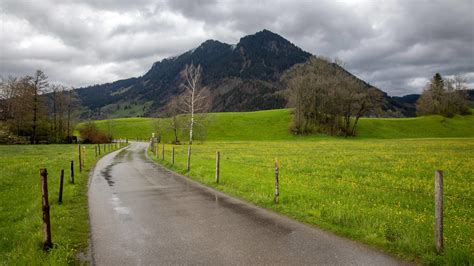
column 39, row 84
column 62, row 102
column 327, row 98
column 71, row 102
column 9, row 89
column 174, row 122
column 195, row 99
column 17, row 101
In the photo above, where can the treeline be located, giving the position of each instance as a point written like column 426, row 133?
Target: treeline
column 444, row 97
column 34, row 111
column 328, row 99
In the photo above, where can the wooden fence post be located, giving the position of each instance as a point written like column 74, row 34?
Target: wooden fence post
column 277, row 183
column 172, row 155
column 218, row 162
column 80, row 160
column 61, row 182
column 163, row 152
column 95, row 151
column 98, row 145
column 71, row 176
column 189, row 158
column 45, row 206
column 83, row 156
column 439, row 211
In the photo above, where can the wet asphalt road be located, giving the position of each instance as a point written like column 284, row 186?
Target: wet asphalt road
column 142, row 214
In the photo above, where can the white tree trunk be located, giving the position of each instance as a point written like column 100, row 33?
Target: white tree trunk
column 192, row 115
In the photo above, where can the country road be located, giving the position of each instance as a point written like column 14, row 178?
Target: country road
column 142, row 214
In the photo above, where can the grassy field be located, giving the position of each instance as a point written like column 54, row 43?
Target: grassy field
column 379, row 192
column 274, row 124
column 376, row 188
column 20, row 210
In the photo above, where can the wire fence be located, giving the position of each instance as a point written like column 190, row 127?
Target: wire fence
column 209, row 153
column 246, row 161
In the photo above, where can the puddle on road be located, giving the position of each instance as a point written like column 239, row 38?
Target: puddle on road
column 106, row 173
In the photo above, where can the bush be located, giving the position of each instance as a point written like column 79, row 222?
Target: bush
column 91, row 134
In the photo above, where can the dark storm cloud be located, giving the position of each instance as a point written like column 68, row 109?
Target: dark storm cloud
column 395, row 45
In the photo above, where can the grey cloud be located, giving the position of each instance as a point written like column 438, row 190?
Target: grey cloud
column 394, row 45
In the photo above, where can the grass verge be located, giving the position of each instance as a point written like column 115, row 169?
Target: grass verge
column 21, row 235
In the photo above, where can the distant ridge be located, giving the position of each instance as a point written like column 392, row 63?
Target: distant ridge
column 241, row 77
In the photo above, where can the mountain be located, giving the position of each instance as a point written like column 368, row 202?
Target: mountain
column 241, row 77
column 406, row 103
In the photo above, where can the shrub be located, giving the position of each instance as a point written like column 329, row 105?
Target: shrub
column 91, row 134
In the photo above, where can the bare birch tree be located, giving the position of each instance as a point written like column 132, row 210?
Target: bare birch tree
column 195, row 98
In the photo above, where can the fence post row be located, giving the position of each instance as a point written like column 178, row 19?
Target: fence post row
column 45, row 207
column 277, row 185
column 189, row 158
column 438, row 230
column 61, row 182
column 218, row 159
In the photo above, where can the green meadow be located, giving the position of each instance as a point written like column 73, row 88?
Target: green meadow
column 274, row 125
column 376, row 188
column 21, row 235
column 379, row 192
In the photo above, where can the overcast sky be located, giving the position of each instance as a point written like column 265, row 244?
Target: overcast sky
column 394, row 45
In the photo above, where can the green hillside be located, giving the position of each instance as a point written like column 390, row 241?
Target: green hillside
column 419, row 127
column 274, row 124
